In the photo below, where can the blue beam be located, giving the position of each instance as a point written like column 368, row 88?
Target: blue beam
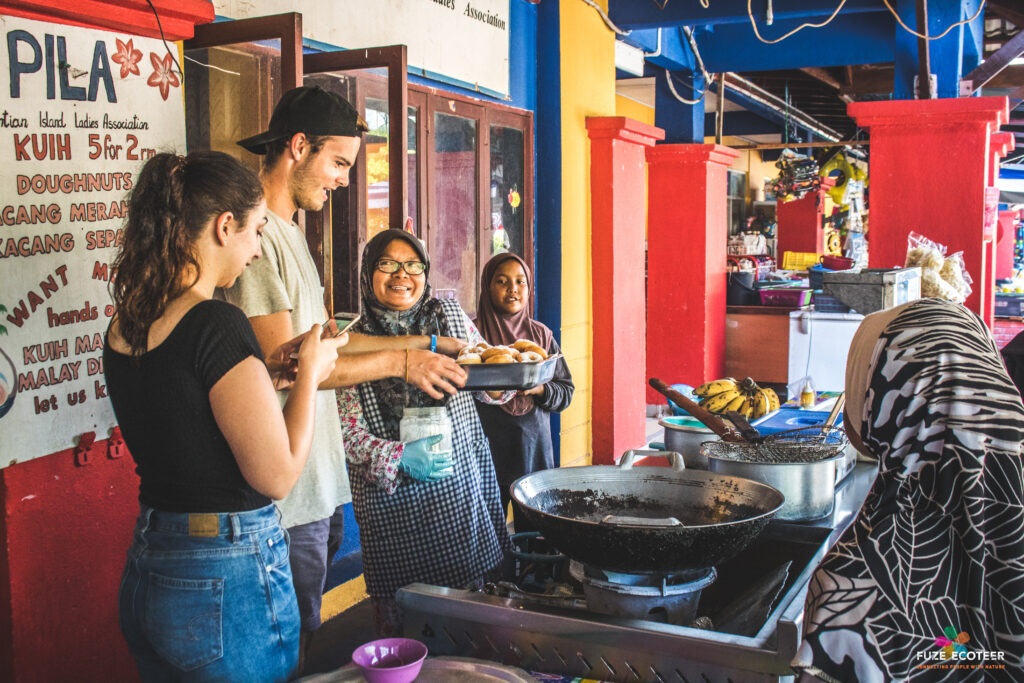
column 974, row 38
column 682, row 123
column 674, row 52
column 945, row 54
column 743, row 123
column 641, row 14
column 548, row 187
column 858, row 39
column 855, row 39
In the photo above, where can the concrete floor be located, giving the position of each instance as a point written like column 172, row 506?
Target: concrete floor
column 653, row 430
column 333, row 643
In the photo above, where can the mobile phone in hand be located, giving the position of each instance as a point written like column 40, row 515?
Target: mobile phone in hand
column 329, row 328
column 344, row 321
column 334, row 327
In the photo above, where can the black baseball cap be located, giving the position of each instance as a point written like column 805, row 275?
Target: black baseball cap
column 310, row 110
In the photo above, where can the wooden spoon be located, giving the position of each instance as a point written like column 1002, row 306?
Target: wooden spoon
column 836, row 409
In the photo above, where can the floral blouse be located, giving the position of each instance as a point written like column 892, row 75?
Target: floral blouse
column 381, row 456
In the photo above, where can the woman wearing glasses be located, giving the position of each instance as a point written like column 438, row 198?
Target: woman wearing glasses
column 423, row 515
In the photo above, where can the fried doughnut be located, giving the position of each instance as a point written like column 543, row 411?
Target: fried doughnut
column 527, row 345
column 494, row 351
column 500, row 358
column 530, row 357
column 469, row 359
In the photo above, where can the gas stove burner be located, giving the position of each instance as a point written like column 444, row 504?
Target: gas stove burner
column 539, row 566
column 667, row 597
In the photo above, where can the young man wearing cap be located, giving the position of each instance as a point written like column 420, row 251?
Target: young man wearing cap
column 311, row 145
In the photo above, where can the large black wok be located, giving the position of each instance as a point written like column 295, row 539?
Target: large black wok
column 646, row 519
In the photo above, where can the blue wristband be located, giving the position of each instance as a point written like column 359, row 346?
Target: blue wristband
column 433, row 343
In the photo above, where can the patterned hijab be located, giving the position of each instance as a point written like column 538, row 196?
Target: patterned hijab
column 934, row 564
column 500, row 328
column 425, row 317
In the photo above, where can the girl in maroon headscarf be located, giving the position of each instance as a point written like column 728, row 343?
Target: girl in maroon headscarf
column 519, row 430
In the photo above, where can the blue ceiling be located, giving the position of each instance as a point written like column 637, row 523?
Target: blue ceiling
column 862, row 53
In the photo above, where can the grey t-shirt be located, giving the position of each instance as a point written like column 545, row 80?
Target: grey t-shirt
column 284, row 278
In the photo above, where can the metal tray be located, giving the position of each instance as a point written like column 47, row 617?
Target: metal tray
column 439, row 670
column 499, row 376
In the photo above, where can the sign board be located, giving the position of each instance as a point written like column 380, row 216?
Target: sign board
column 80, row 111
column 991, row 213
column 464, row 42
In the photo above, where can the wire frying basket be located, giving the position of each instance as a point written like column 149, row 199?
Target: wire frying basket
column 804, row 445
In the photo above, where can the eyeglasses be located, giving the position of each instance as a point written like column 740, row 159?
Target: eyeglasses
column 386, row 265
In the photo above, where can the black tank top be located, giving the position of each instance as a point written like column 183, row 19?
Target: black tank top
column 161, row 401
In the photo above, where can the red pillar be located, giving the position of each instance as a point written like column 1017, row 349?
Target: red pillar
column 617, row 174
column 929, row 170
column 1000, row 145
column 686, row 238
column 799, row 224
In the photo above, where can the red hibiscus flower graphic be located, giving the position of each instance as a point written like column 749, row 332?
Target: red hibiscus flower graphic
column 128, row 57
column 163, row 75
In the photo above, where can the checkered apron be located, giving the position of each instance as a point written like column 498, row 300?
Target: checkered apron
column 446, row 533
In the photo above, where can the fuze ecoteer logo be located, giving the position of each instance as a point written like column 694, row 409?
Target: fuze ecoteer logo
column 952, row 653
column 952, row 642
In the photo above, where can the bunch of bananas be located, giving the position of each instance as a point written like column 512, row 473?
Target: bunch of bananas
column 746, row 397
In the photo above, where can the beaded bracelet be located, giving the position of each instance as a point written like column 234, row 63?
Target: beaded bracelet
column 407, row 366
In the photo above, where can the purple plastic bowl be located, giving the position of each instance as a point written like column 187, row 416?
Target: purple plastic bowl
column 390, row 660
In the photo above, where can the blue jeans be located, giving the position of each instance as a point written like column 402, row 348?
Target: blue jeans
column 209, row 597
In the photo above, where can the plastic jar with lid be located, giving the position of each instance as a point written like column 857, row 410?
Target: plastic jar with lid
column 419, row 423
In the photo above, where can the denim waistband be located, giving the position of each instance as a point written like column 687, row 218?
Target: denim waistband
column 209, row 524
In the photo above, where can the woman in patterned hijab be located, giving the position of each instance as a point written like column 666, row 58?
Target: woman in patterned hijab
column 443, row 528
column 931, row 575
column 379, row 318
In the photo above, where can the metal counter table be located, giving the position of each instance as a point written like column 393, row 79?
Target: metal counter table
column 554, row 640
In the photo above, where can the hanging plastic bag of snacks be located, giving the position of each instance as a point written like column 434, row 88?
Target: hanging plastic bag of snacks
column 942, row 277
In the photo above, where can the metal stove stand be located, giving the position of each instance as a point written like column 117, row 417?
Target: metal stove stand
column 575, row 643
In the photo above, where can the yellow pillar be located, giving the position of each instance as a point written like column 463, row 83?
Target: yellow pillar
column 588, row 89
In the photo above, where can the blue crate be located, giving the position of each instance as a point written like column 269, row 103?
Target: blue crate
column 816, row 276
column 1009, row 305
column 785, row 419
column 828, row 304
